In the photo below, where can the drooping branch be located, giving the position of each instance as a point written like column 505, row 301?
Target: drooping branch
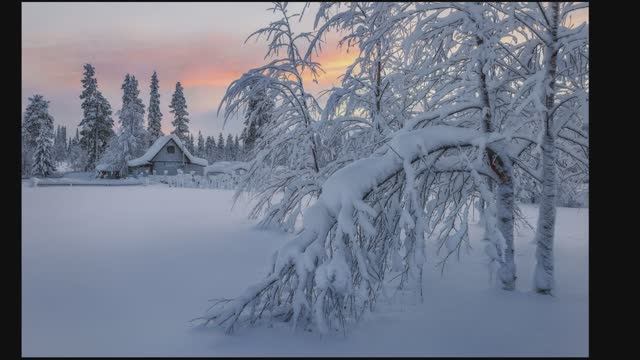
column 302, row 268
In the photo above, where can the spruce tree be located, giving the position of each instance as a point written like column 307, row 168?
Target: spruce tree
column 237, row 150
column 37, row 108
column 178, row 108
column 75, row 139
column 76, row 155
column 220, row 148
column 24, row 156
column 200, row 150
column 249, row 135
column 43, row 157
column 257, row 115
column 154, row 126
column 210, row 148
column 62, row 147
column 96, row 127
column 131, row 141
column 190, row 144
column 228, row 148
column 56, row 142
column 60, row 144
column 36, row 114
column 131, row 116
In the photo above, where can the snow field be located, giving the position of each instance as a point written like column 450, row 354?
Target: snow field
column 120, row 271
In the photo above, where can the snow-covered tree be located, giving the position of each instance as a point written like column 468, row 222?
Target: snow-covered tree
column 154, row 125
column 289, row 142
column 220, row 148
column 557, row 93
column 60, row 144
column 453, row 107
column 190, row 144
column 77, row 157
column 130, row 142
column 369, row 86
column 24, row 153
column 96, row 127
column 43, row 162
column 237, row 148
column 257, row 115
column 200, row 147
column 36, row 114
column 43, row 154
column 229, row 148
column 210, row 149
column 178, row 108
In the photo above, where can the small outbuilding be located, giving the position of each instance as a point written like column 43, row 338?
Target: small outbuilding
column 168, row 154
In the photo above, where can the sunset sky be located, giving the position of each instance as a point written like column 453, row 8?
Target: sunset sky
column 198, row 44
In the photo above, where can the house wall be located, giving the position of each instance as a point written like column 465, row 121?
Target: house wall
column 163, row 155
column 170, row 166
column 172, row 162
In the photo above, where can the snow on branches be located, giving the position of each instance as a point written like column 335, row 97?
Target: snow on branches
column 446, row 103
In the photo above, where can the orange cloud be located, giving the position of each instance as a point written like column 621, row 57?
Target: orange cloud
column 334, row 62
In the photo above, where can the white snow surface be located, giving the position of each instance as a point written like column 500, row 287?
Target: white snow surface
column 120, row 271
column 76, row 181
column 157, row 146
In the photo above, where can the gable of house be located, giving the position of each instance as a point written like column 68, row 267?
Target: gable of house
column 162, row 151
column 167, row 155
column 171, row 152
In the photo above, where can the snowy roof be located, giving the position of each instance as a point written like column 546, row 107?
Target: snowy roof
column 158, row 145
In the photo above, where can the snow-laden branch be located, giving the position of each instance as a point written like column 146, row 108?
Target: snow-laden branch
column 311, row 272
column 226, row 167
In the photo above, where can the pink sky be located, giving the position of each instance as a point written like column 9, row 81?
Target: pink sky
column 199, row 44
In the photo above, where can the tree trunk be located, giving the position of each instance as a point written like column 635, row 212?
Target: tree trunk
column 504, row 189
column 543, row 275
column 505, row 215
column 378, row 91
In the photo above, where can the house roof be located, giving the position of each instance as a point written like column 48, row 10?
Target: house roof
column 158, row 145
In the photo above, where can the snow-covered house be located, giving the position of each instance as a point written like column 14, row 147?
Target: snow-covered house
column 168, row 154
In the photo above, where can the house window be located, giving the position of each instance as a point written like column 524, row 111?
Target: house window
column 171, row 149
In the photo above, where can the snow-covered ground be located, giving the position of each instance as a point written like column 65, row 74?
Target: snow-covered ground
column 69, row 181
column 120, row 271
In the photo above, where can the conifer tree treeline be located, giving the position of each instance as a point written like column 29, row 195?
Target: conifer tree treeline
column 96, row 143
